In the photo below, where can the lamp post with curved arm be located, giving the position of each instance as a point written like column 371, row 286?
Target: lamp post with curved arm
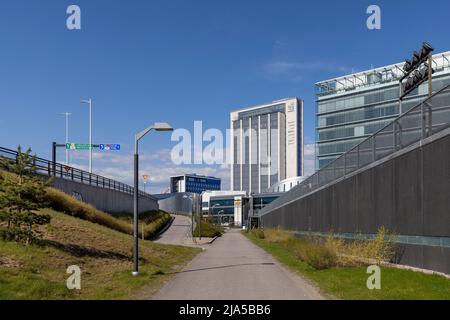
column 220, row 217
column 158, row 126
column 211, row 209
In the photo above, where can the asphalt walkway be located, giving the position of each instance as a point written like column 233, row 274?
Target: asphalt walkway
column 233, row 268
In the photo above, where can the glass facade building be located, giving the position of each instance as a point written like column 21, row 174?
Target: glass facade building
column 233, row 206
column 266, row 145
column 193, row 183
column 353, row 107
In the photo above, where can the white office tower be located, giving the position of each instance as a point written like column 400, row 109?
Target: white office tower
column 266, row 145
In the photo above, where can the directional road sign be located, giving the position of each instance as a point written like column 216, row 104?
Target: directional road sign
column 78, row 146
column 108, row 147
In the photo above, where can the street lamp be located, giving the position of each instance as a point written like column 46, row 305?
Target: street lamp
column 192, row 213
column 158, row 126
column 220, row 217
column 212, row 209
column 416, row 71
column 145, row 176
column 89, row 102
column 196, row 208
column 67, row 114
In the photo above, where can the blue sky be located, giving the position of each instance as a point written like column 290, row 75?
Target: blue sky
column 180, row 61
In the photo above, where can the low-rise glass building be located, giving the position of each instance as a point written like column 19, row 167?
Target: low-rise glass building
column 193, row 183
column 234, row 207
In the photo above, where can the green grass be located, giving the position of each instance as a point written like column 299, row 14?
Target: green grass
column 208, row 230
column 154, row 221
column 350, row 282
column 104, row 256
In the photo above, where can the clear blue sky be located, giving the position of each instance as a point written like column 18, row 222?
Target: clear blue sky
column 180, row 61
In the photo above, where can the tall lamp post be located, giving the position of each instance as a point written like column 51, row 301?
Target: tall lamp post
column 158, row 126
column 198, row 210
column 220, row 216
column 67, row 114
column 89, row 102
column 212, row 209
column 192, row 213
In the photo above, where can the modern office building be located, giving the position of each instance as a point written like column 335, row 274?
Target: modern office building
column 193, row 183
column 266, row 144
column 226, row 204
column 353, row 107
column 286, row 184
column 234, row 207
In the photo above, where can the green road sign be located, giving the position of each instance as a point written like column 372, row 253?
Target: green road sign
column 78, row 146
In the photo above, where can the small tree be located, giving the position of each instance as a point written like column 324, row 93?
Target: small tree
column 21, row 195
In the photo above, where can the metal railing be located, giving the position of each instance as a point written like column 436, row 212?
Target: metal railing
column 58, row 170
column 423, row 120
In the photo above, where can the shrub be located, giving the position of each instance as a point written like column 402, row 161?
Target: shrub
column 381, row 249
column 359, row 252
column 258, row 233
column 208, row 230
column 320, row 257
column 155, row 224
column 313, row 253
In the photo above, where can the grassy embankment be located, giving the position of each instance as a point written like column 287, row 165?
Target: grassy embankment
column 153, row 221
column 338, row 277
column 208, row 230
column 100, row 244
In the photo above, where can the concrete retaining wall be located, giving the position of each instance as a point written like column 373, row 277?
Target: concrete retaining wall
column 176, row 203
column 409, row 194
column 104, row 199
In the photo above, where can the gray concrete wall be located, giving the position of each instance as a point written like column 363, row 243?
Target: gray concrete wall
column 176, row 203
column 104, row 199
column 408, row 193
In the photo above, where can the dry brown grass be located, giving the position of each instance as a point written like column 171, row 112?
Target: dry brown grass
column 62, row 202
column 360, row 252
column 332, row 251
column 59, row 201
column 277, row 235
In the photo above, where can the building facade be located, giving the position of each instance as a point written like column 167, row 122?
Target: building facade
column 266, row 144
column 353, row 107
column 224, row 204
column 286, row 184
column 193, row 183
column 234, row 207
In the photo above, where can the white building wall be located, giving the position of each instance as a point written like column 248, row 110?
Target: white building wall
column 282, row 146
column 292, row 124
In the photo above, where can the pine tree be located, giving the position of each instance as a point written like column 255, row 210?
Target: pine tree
column 22, row 194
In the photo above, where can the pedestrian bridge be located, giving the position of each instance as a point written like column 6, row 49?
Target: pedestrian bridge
column 103, row 193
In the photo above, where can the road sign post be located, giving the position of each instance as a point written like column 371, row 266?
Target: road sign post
column 145, row 180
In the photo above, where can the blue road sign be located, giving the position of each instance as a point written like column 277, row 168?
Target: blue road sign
column 108, row 147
